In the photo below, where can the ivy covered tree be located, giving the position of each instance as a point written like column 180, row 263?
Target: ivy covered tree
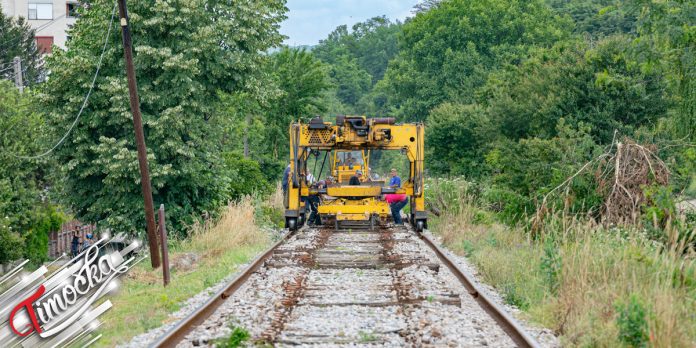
column 185, row 54
column 667, row 46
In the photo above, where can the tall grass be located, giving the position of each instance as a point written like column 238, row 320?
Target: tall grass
column 221, row 246
column 592, row 285
column 235, row 228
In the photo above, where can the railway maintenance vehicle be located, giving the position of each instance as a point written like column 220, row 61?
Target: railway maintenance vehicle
column 348, row 143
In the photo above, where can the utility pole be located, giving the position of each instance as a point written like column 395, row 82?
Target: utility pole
column 19, row 81
column 139, row 136
column 247, row 121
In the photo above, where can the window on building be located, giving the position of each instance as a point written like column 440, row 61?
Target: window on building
column 40, row 11
column 44, row 44
column 71, row 9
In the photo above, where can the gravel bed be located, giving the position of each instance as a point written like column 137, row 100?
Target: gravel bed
column 352, row 295
column 545, row 337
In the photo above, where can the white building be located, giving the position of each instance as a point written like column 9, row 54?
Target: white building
column 49, row 18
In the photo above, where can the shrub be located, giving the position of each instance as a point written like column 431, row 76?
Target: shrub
column 244, row 176
column 551, row 265
column 36, row 241
column 236, row 338
column 632, row 323
column 10, row 245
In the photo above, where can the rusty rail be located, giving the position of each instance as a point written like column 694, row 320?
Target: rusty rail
column 505, row 320
column 179, row 332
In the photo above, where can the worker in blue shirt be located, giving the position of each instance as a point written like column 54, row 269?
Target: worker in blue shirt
column 395, row 180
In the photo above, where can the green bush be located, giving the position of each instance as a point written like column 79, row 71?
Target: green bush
column 551, row 265
column 514, row 296
column 457, row 138
column 36, row 241
column 244, row 176
column 632, row 322
column 11, row 245
column 509, row 206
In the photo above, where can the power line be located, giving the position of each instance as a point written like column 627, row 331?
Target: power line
column 84, row 103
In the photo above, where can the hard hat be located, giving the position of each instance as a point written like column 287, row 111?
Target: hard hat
column 89, row 236
column 358, row 172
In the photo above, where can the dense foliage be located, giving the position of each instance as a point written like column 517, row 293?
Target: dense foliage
column 24, row 205
column 183, row 62
column 518, row 95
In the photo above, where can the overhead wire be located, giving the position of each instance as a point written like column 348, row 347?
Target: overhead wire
column 89, row 93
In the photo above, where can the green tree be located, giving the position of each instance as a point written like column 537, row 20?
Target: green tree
column 667, row 46
column 47, row 219
column 17, row 40
column 372, row 43
column 302, row 79
column 447, row 51
column 602, row 87
column 457, row 138
column 352, row 82
column 26, row 211
column 20, row 179
column 185, row 54
column 358, row 58
column 597, row 18
column 11, row 245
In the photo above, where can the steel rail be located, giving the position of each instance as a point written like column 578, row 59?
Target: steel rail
column 177, row 333
column 511, row 327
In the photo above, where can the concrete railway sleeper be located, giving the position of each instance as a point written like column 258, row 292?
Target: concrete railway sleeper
column 320, row 287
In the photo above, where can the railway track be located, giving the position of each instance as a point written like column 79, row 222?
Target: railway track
column 389, row 287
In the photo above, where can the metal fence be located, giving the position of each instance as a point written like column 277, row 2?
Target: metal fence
column 59, row 242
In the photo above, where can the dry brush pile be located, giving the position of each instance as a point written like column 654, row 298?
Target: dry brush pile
column 621, row 175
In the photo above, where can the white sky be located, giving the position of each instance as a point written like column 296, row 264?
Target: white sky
column 312, row 20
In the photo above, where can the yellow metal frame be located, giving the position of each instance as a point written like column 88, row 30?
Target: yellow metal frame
column 356, row 133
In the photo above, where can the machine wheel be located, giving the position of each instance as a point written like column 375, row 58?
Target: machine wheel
column 302, row 220
column 291, row 223
column 420, row 225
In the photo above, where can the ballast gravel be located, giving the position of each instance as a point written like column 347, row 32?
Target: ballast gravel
column 378, row 289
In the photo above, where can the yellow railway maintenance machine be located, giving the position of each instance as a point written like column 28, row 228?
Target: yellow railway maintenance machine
column 353, row 206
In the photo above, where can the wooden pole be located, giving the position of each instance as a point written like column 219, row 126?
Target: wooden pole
column 19, row 80
column 139, row 135
column 165, row 247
